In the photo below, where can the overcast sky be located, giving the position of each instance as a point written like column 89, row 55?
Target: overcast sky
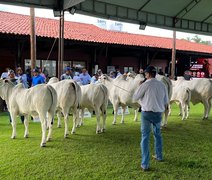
column 131, row 28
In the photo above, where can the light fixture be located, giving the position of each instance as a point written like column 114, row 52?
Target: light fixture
column 56, row 12
column 142, row 25
column 72, row 10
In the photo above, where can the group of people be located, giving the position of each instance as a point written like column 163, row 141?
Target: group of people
column 84, row 78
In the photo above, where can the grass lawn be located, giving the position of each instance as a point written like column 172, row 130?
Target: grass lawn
column 112, row 155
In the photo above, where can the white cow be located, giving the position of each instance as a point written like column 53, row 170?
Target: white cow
column 95, row 97
column 168, row 85
column 201, row 92
column 181, row 95
column 69, row 97
column 120, row 94
column 40, row 100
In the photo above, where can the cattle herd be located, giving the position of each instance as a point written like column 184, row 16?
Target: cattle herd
column 66, row 96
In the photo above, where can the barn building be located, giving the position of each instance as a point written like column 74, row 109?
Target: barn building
column 89, row 46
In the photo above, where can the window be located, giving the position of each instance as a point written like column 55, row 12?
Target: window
column 128, row 69
column 48, row 66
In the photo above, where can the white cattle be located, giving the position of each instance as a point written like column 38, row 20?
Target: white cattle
column 201, row 92
column 168, row 85
column 40, row 100
column 95, row 97
column 181, row 95
column 120, row 94
column 69, row 97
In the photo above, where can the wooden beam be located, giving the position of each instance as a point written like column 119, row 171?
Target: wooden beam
column 32, row 38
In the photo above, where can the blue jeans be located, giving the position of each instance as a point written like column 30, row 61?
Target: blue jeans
column 150, row 118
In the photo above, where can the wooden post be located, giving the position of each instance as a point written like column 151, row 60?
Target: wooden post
column 173, row 55
column 61, row 44
column 32, row 38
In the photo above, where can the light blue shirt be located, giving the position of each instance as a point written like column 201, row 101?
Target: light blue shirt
column 152, row 95
column 85, row 78
column 23, row 79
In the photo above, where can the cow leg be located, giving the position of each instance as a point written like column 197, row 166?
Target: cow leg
column 115, row 108
column 136, row 115
column 206, row 109
column 59, row 119
column 98, row 129
column 81, row 122
column 43, row 126
column 170, row 109
column 104, row 116
column 50, row 124
column 123, row 113
column 75, row 119
column 183, row 110
column 26, row 124
column 13, row 118
column 166, row 112
column 66, row 134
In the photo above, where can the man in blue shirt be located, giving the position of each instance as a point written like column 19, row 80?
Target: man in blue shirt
column 37, row 78
column 85, row 77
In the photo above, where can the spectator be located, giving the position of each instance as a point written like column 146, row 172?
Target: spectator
column 41, row 73
column 112, row 74
column 118, row 72
column 11, row 77
column 37, row 78
column 99, row 72
column 77, row 78
column 85, row 77
column 4, row 75
column 67, row 74
column 187, row 75
column 21, row 77
column 94, row 79
column 29, row 77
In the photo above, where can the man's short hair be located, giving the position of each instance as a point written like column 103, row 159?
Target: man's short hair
column 151, row 70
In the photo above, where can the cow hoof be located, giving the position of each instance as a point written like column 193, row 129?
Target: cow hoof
column 204, row 118
column 114, row 123
column 122, row 122
column 102, row 130
column 73, row 132
column 13, row 137
column 59, row 126
column 98, row 132
column 26, row 136
column 43, row 145
column 48, row 139
column 66, row 135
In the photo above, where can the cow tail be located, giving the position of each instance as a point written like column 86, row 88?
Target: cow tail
column 189, row 96
column 106, row 96
column 78, row 94
column 54, row 99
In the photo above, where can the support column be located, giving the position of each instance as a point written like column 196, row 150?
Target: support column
column 61, row 44
column 32, row 38
column 173, row 55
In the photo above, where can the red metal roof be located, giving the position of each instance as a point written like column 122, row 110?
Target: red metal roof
column 11, row 23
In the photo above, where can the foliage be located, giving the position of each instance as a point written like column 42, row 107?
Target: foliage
column 112, row 155
column 198, row 39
